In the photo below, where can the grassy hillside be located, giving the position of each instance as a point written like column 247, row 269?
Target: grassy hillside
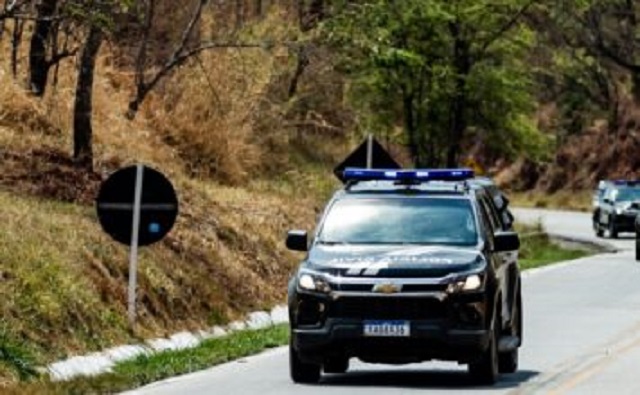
column 63, row 282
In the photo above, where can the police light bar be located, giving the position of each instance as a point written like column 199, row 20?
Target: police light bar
column 357, row 174
column 626, row 182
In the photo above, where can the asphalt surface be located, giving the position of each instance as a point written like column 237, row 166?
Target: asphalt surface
column 581, row 336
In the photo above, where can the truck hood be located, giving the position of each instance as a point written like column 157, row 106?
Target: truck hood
column 395, row 261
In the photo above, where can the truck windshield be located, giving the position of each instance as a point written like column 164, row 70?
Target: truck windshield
column 400, row 221
column 627, row 194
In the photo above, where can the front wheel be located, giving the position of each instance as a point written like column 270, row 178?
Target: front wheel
column 302, row 372
column 613, row 232
column 599, row 231
column 485, row 370
column 336, row 365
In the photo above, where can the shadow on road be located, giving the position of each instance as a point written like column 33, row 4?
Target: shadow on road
column 423, row 379
column 625, row 237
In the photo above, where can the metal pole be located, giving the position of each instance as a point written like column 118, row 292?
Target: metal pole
column 637, row 225
column 133, row 253
column 369, row 151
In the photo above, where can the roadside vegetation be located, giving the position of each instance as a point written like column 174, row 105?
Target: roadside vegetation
column 147, row 369
column 561, row 200
column 537, row 249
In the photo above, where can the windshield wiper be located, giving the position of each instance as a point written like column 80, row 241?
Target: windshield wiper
column 332, row 242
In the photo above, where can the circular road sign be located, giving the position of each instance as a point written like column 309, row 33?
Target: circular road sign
column 116, row 204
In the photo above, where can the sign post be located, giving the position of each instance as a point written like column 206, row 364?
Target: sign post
column 369, row 151
column 369, row 154
column 137, row 206
column 637, row 225
column 133, row 253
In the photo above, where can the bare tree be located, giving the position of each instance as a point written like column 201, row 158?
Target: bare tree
column 16, row 38
column 183, row 51
column 9, row 10
column 38, row 63
column 82, row 128
column 308, row 19
column 610, row 29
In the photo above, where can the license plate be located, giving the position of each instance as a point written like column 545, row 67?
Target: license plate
column 387, row 328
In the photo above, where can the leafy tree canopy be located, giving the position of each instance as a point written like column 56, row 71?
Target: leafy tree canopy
column 446, row 71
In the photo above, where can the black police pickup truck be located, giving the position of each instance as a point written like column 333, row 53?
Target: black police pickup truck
column 408, row 266
column 618, row 208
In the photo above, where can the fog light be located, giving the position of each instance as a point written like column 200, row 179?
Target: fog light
column 309, row 312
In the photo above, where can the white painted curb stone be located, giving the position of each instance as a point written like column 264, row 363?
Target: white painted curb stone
column 102, row 362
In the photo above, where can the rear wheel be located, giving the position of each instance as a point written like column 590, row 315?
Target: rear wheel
column 508, row 361
column 336, row 365
column 485, row 370
column 302, row 372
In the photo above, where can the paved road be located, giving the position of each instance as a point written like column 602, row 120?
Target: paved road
column 582, row 335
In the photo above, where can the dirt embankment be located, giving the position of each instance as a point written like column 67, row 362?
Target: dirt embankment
column 582, row 160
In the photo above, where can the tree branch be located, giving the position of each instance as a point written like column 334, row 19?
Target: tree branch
column 56, row 58
column 592, row 25
column 141, row 58
column 175, row 61
column 505, row 28
column 187, row 32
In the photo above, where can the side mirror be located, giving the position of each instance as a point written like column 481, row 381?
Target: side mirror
column 607, row 201
column 506, row 241
column 297, row 240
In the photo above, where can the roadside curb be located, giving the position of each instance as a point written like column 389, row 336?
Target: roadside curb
column 101, row 362
column 596, row 244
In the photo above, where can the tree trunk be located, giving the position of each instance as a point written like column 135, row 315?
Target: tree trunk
column 301, row 64
column 38, row 63
column 82, row 130
column 239, row 14
column 635, row 86
column 258, row 6
column 15, row 45
column 462, row 67
column 410, row 126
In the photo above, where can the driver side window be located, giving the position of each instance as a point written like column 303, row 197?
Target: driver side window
column 486, row 220
column 610, row 194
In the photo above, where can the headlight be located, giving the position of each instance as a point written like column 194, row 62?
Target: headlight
column 309, row 282
column 622, row 208
column 471, row 283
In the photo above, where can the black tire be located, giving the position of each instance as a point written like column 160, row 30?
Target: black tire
column 508, row 361
column 599, row 230
column 336, row 365
column 302, row 372
column 485, row 371
column 613, row 232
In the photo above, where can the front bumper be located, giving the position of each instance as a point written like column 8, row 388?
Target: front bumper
column 454, row 330
column 428, row 340
column 625, row 222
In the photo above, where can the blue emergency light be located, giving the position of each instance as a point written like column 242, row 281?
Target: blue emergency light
column 358, row 174
column 627, row 182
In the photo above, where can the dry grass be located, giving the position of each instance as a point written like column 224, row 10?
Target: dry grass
column 565, row 199
column 63, row 283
